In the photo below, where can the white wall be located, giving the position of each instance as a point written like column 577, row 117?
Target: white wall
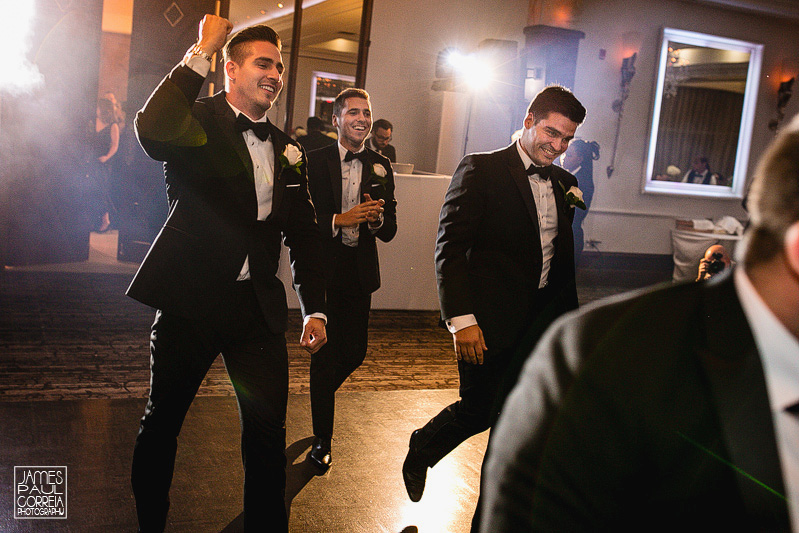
column 406, row 38
column 407, row 35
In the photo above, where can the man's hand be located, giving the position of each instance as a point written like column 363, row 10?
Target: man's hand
column 213, row 33
column 469, row 345
column 373, row 215
column 366, row 211
column 704, row 273
column 313, row 335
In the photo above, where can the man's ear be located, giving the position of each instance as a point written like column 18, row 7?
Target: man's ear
column 335, row 121
column 792, row 247
column 230, row 70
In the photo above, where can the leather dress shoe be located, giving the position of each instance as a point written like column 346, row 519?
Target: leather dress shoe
column 414, row 472
column 320, row 455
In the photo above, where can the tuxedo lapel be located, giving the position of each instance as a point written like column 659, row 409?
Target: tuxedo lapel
column 519, row 176
column 334, row 168
column 279, row 183
column 226, row 118
column 738, row 386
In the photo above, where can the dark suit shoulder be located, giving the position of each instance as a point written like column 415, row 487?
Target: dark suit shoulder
column 565, row 177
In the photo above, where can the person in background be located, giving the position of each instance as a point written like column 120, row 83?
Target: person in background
column 315, row 138
column 381, row 137
column 579, row 160
column 105, row 146
column 715, row 261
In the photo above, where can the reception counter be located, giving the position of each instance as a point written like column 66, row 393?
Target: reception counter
column 407, row 268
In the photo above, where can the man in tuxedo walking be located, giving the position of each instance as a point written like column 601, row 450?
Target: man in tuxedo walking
column 505, row 270
column 352, row 187
column 676, row 407
column 236, row 184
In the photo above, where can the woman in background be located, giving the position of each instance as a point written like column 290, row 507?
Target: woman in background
column 579, row 160
column 104, row 145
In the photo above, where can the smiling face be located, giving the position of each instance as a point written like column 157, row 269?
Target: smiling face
column 354, row 123
column 253, row 84
column 545, row 140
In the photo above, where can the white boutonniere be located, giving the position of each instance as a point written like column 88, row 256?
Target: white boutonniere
column 291, row 158
column 574, row 196
column 379, row 172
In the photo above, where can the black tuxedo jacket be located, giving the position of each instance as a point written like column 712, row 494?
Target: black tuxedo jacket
column 667, row 426
column 212, row 226
column 488, row 252
column 324, row 181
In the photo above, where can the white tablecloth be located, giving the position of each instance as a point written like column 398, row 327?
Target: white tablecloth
column 407, row 268
column 689, row 247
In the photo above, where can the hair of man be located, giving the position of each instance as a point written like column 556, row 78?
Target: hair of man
column 236, row 48
column 557, row 99
column 341, row 99
column 773, row 200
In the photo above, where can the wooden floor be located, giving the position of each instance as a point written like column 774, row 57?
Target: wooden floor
column 73, row 381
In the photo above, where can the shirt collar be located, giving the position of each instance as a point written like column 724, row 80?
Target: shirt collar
column 779, row 350
column 343, row 151
column 238, row 111
column 526, row 161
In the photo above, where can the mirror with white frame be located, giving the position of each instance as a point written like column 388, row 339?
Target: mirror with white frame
column 702, row 117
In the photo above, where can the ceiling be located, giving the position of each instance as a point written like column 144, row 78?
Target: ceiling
column 330, row 28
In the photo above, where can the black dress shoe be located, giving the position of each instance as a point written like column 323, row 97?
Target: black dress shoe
column 414, row 473
column 320, row 455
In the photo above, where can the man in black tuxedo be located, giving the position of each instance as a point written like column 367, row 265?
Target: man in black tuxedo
column 505, row 269
column 381, row 137
column 352, row 188
column 235, row 185
column 677, row 406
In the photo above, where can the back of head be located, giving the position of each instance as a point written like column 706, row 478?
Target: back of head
column 236, row 48
column 341, row 99
column 557, row 99
column 315, row 124
column 773, row 200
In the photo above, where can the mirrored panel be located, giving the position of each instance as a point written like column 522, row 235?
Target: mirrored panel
column 702, row 118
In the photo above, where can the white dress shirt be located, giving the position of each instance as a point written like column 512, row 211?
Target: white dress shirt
column 547, row 212
column 350, row 193
column 779, row 352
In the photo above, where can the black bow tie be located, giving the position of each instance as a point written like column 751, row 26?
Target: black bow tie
column 361, row 156
column 543, row 172
column 260, row 129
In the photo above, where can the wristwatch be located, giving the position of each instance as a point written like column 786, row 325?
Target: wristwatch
column 195, row 50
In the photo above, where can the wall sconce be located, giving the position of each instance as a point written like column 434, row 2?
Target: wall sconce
column 790, row 69
column 632, row 44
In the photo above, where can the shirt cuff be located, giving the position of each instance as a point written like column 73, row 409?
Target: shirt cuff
column 199, row 65
column 375, row 229
column 333, row 223
column 458, row 323
column 320, row 316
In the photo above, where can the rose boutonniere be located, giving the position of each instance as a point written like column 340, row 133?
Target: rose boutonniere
column 291, row 158
column 574, row 196
column 379, row 174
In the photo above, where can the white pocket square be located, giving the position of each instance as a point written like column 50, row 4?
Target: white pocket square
column 293, row 185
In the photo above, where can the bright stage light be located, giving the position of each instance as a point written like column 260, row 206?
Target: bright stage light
column 17, row 74
column 471, row 69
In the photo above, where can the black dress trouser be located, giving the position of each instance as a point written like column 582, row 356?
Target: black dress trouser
column 182, row 350
column 347, row 338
